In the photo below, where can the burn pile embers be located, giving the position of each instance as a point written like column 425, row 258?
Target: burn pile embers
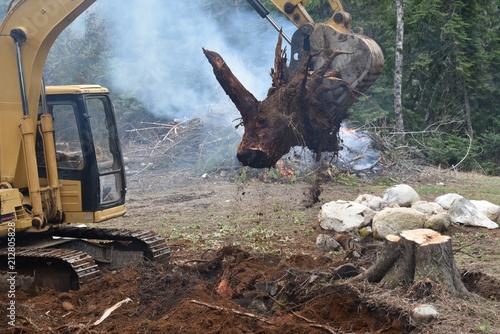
column 358, row 156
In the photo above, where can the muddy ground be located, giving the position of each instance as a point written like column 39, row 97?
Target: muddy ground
column 243, row 260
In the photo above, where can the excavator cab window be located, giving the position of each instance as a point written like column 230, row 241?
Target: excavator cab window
column 66, row 136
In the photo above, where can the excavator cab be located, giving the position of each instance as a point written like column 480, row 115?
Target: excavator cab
column 88, row 153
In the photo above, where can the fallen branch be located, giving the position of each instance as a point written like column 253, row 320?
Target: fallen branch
column 454, row 167
column 142, row 170
column 244, row 314
column 111, row 310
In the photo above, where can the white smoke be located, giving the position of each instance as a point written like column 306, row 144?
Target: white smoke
column 158, row 57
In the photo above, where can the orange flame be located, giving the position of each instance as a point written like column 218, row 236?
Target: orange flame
column 348, row 131
column 287, row 172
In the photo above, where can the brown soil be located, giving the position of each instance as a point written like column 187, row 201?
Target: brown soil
column 244, row 261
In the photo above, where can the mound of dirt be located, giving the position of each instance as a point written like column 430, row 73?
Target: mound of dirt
column 225, row 291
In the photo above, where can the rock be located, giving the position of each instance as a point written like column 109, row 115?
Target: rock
column 401, row 194
column 375, row 203
column 326, row 243
column 445, row 200
column 395, row 220
column 490, row 210
column 423, row 313
column 365, row 232
column 429, row 208
column 439, row 222
column 344, row 216
column 462, row 211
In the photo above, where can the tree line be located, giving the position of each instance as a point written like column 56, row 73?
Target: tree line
column 450, row 82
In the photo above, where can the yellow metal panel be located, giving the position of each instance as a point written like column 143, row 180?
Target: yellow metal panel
column 79, row 217
column 94, row 217
column 11, row 210
column 10, row 139
column 9, row 200
column 117, row 211
column 299, row 16
column 71, row 195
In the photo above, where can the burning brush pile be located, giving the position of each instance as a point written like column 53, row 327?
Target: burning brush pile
column 199, row 148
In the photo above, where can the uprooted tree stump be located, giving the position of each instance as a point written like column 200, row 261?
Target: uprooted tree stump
column 301, row 108
column 417, row 255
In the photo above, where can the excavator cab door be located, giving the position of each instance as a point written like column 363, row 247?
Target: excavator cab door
column 87, row 151
column 107, row 152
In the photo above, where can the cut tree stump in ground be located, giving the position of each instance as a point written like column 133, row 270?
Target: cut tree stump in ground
column 417, row 255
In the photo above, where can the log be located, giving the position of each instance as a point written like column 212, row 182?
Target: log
column 298, row 111
column 413, row 256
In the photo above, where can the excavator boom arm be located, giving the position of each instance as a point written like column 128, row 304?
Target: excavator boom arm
column 40, row 22
column 294, row 10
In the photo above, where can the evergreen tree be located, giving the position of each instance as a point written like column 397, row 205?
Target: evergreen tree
column 80, row 58
column 448, row 60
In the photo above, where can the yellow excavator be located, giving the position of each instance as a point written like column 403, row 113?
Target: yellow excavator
column 61, row 165
column 360, row 69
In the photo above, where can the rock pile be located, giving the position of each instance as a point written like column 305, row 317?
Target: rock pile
column 400, row 209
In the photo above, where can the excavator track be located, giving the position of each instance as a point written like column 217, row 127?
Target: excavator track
column 69, row 257
column 155, row 247
column 80, row 266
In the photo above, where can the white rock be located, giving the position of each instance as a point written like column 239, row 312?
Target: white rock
column 401, row 194
column 445, row 200
column 375, row 203
column 439, row 222
column 326, row 243
column 462, row 211
column 424, row 313
column 344, row 216
column 492, row 211
column 395, row 220
column 429, row 208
